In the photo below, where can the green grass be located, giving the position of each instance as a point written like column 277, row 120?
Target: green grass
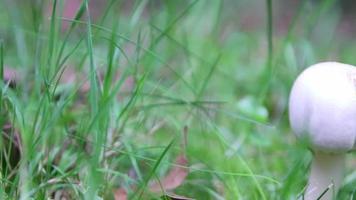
column 190, row 63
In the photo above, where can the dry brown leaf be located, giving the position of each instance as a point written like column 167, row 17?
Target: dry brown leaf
column 174, row 178
column 120, row 194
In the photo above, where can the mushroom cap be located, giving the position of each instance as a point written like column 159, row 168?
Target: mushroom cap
column 322, row 106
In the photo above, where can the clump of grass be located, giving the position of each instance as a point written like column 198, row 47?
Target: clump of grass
column 144, row 70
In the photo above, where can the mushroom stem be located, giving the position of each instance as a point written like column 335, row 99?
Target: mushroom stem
column 326, row 174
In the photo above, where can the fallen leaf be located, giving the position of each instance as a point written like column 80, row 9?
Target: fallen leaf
column 120, row 194
column 174, row 178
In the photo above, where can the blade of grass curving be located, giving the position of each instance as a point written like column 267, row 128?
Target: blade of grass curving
column 61, row 71
column 267, row 74
column 180, row 103
column 36, row 63
column 121, row 36
column 178, row 43
column 63, row 68
column 269, row 33
column 138, row 10
column 218, row 17
column 292, row 175
column 254, row 178
column 138, row 55
column 71, row 52
column 184, row 12
column 324, row 6
column 18, row 33
column 1, row 77
column 130, row 103
column 93, row 93
column 153, row 171
column 208, row 77
column 105, row 101
column 111, row 54
column 172, row 24
column 65, row 176
column 37, row 117
column 72, row 26
column 156, row 56
column 133, row 161
column 37, row 14
column 122, row 51
column 2, row 173
column 250, row 172
column 133, row 98
column 192, row 169
column 160, row 96
column 94, row 176
column 291, row 28
column 52, row 35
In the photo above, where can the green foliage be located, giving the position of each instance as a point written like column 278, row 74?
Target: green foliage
column 146, row 70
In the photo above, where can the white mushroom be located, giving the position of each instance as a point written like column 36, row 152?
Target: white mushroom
column 322, row 109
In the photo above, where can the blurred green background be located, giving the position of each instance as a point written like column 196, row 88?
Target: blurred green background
column 109, row 93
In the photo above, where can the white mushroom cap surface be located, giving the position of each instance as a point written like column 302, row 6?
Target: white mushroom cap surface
column 322, row 106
